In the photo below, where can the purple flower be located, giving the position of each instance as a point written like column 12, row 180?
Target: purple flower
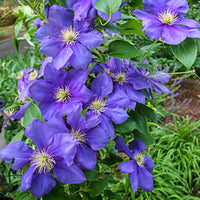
column 107, row 108
column 127, row 80
column 67, row 41
column 89, row 137
column 60, row 91
column 53, row 152
column 165, row 21
column 139, row 167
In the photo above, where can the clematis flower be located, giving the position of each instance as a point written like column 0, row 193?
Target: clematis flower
column 139, row 167
column 124, row 80
column 54, row 152
column 60, row 91
column 67, row 41
column 89, row 137
column 164, row 20
column 109, row 109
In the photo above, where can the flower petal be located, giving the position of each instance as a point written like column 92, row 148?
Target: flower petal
column 42, row 184
column 148, row 162
column 134, row 178
column 127, row 167
column 137, row 146
column 85, row 157
column 180, row 6
column 38, row 132
column 68, row 175
column 60, row 16
column 145, row 179
column 121, row 146
column 81, row 56
column 102, row 85
column 91, row 39
column 154, row 7
column 97, row 138
column 19, row 151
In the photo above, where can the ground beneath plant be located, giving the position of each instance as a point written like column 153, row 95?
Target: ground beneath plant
column 188, row 100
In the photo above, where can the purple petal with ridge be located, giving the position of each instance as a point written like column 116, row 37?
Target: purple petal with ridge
column 145, row 179
column 134, row 178
column 18, row 150
column 137, row 146
column 180, row 6
column 91, row 39
column 148, row 163
column 85, row 157
column 42, row 184
column 127, row 167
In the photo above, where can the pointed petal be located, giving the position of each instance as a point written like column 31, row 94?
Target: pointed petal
column 180, row 6
column 134, row 178
column 154, row 7
column 68, row 175
column 137, row 146
column 62, row 57
column 121, row 146
column 145, row 179
column 19, row 151
column 85, row 157
column 81, row 56
column 102, row 85
column 148, row 162
column 127, row 167
column 188, row 22
column 51, row 46
column 60, row 16
column 115, row 65
column 117, row 115
column 38, row 132
column 42, row 184
column 97, row 138
column 91, row 39
column 63, row 146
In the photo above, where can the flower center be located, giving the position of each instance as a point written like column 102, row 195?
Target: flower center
column 79, row 135
column 33, row 75
column 69, row 36
column 168, row 17
column 139, row 159
column 20, row 74
column 120, row 78
column 98, row 106
column 62, row 95
column 43, row 161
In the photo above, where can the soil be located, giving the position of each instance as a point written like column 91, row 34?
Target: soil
column 188, row 100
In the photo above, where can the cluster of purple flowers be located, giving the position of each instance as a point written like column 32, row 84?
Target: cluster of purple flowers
column 66, row 143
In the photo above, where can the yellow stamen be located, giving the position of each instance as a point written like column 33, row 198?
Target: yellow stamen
column 139, row 159
column 79, row 135
column 120, row 78
column 43, row 161
column 69, row 36
column 33, row 75
column 168, row 17
column 62, row 95
column 20, row 75
column 98, row 106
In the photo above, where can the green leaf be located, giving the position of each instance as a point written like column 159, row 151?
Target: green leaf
column 18, row 137
column 26, row 195
column 126, row 127
column 149, row 67
column 18, row 27
column 32, row 112
column 57, row 193
column 147, row 139
column 111, row 160
column 185, row 52
column 107, row 6
column 136, row 3
column 146, row 111
column 92, row 175
column 122, row 49
column 96, row 187
column 141, row 124
column 132, row 26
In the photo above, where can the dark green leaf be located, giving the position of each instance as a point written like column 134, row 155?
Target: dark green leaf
column 111, row 195
column 32, row 112
column 122, row 49
column 26, row 195
column 111, row 160
column 96, row 187
column 57, row 193
column 136, row 3
column 186, row 52
column 106, row 6
column 147, row 139
column 128, row 126
column 92, row 175
column 146, row 111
